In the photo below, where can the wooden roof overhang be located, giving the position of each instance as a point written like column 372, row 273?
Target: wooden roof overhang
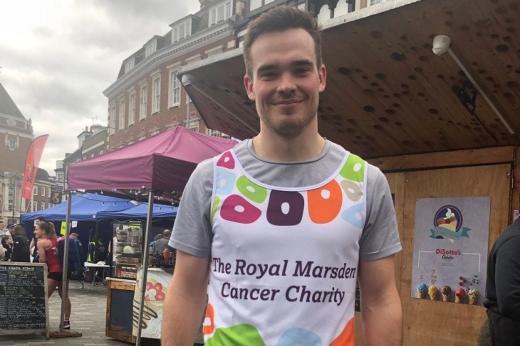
column 387, row 93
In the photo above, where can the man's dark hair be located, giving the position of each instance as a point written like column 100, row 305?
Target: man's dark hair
column 281, row 18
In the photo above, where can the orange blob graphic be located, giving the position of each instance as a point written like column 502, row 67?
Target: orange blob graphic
column 325, row 202
column 208, row 329
column 346, row 338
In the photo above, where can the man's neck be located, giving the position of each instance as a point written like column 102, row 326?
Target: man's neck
column 275, row 148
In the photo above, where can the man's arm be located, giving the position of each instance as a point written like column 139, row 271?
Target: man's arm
column 380, row 302
column 185, row 300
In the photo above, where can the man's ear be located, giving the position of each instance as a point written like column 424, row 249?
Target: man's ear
column 248, row 85
column 322, row 72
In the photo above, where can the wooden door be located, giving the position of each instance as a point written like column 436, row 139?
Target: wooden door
column 435, row 323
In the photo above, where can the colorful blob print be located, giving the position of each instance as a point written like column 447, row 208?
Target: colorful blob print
column 214, row 207
column 236, row 209
column 300, row 337
column 224, row 180
column 354, row 169
column 325, row 202
column 226, row 160
column 285, row 208
column 251, row 190
column 352, row 190
column 242, row 334
column 354, row 215
column 347, row 337
column 209, row 328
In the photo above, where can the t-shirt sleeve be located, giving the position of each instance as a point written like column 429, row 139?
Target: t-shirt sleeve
column 192, row 232
column 380, row 237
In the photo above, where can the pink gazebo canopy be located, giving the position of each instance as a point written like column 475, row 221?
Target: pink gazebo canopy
column 161, row 162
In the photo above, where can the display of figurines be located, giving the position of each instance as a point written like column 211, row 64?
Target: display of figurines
column 422, row 291
column 473, row 296
column 460, row 295
column 446, row 293
column 433, row 292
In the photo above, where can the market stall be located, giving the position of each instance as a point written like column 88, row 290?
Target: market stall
column 160, row 163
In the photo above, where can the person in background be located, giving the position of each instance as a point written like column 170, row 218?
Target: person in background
column 21, row 252
column 48, row 253
column 6, row 244
column 503, row 288
column 33, row 245
column 158, row 245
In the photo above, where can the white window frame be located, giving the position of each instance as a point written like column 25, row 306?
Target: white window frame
column 129, row 64
column 156, row 94
column 193, row 124
column 111, row 117
column 174, row 94
column 254, row 4
column 150, row 48
column 143, row 101
column 121, row 114
column 185, row 27
column 220, row 12
column 131, row 108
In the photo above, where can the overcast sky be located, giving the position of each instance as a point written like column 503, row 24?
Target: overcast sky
column 57, row 57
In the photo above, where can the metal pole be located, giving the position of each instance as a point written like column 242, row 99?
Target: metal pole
column 148, row 229
column 65, row 282
column 484, row 95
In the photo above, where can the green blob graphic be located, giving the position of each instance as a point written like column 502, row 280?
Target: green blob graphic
column 354, row 169
column 251, row 190
column 216, row 203
column 239, row 335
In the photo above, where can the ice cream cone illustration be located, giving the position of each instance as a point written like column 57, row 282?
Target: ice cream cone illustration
column 446, row 293
column 422, row 290
column 473, row 296
column 433, row 292
column 460, row 295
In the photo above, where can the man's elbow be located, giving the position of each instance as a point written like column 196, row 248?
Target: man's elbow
column 510, row 307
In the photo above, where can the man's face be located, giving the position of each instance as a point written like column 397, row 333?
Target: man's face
column 285, row 81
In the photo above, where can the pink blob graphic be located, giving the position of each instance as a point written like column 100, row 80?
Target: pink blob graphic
column 236, row 209
column 226, row 160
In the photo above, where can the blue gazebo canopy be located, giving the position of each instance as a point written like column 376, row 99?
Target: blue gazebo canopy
column 139, row 212
column 85, row 207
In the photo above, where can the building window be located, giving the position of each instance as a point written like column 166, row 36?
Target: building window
column 193, row 124
column 156, row 94
column 111, row 118
column 35, row 190
column 131, row 109
column 374, row 2
column 175, row 90
column 42, row 190
column 220, row 13
column 150, row 48
column 122, row 114
column 254, row 4
column 129, row 64
column 181, row 31
column 143, row 103
column 12, row 142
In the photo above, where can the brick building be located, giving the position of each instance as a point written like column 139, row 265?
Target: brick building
column 147, row 97
column 16, row 134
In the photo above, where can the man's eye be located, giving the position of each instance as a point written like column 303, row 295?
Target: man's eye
column 301, row 71
column 268, row 75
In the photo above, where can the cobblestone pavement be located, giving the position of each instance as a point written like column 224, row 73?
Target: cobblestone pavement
column 88, row 317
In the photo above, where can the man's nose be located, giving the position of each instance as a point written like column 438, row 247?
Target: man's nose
column 287, row 85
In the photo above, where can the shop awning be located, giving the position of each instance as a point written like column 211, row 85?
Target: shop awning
column 162, row 162
column 387, row 93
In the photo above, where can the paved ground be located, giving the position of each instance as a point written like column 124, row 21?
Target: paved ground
column 88, row 317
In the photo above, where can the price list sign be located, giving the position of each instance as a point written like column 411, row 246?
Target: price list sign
column 23, row 298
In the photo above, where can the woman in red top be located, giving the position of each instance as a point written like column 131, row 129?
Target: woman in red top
column 48, row 253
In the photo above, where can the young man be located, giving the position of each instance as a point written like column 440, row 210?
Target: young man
column 285, row 223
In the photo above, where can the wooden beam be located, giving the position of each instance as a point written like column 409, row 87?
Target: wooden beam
column 458, row 158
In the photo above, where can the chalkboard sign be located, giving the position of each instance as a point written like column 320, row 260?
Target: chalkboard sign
column 23, row 298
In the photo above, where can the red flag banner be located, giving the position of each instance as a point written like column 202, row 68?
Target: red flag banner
column 32, row 162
